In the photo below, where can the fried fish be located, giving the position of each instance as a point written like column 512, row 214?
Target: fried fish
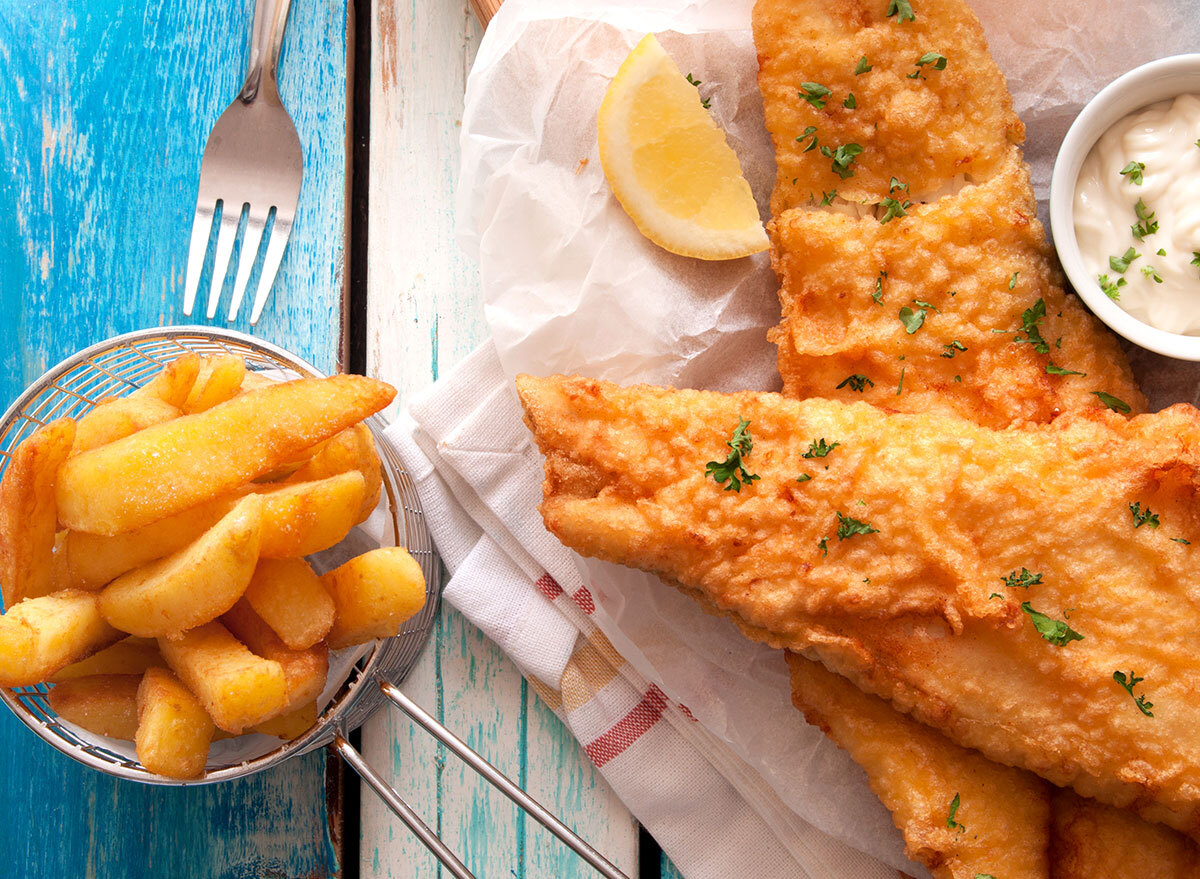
column 1032, row 594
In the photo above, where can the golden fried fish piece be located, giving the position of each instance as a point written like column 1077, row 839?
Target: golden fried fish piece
column 941, row 565
column 1003, row 814
column 924, row 129
column 942, row 297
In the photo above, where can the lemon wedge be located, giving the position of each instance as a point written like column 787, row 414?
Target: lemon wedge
column 669, row 165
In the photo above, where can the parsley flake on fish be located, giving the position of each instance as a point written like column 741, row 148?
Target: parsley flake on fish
column 823, row 545
column 809, row 131
column 1055, row 631
column 815, row 93
column 856, row 382
column 851, row 527
column 1110, row 289
column 843, row 158
column 1120, row 264
column 804, row 477
column 819, row 448
column 1143, row 517
column 952, row 349
column 951, row 819
column 1030, row 318
column 732, row 470
column 903, row 11
column 862, row 66
column 893, row 208
column 1054, row 369
column 1114, row 403
column 912, row 320
column 1134, row 172
column 828, row 197
column 900, row 384
column 1146, row 224
column 1022, row 580
column 850, row 102
column 1012, row 282
column 1127, row 684
column 878, row 294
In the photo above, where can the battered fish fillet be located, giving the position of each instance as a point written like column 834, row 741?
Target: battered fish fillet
column 1003, row 814
column 968, row 271
column 924, row 130
column 899, row 565
column 1093, row 841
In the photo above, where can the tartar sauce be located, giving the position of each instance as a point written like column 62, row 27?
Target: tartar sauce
column 1137, row 214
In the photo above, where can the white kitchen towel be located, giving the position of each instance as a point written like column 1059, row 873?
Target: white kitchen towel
column 477, row 473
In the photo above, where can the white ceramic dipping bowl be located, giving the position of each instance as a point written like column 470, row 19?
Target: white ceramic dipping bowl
column 1157, row 81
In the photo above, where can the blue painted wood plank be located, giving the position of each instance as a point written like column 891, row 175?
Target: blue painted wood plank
column 104, row 110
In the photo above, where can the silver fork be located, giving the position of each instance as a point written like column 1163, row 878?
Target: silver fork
column 252, row 162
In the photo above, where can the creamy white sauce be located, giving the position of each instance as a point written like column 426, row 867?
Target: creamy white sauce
column 1163, row 137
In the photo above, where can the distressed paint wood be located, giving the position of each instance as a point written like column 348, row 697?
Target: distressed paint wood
column 104, row 109
column 425, row 314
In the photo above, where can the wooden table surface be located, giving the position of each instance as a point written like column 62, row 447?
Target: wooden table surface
column 104, row 110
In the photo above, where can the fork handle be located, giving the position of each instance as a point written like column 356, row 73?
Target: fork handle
column 266, row 39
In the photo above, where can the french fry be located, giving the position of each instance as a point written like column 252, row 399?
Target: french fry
column 309, row 516
column 220, row 379
column 352, row 449
column 173, row 466
column 193, row 586
column 173, row 729
column 41, row 635
column 174, row 382
column 105, row 704
column 289, row 598
column 28, row 514
column 374, row 594
column 236, row 688
column 119, row 417
column 60, row 570
column 130, row 656
column 304, row 670
column 290, row 725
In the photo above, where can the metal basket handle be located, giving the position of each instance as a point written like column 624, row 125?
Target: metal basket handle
column 497, row 778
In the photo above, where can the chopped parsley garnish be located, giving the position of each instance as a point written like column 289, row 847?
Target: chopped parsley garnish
column 1030, row 318
column 1146, row 224
column 1134, row 172
column 856, row 382
column 900, row 384
column 1055, row 631
column 850, row 527
column 732, row 470
column 995, row 595
column 903, row 11
column 958, row 378
column 933, row 60
column 850, row 102
column 984, row 876
column 804, row 477
column 912, row 320
column 1012, row 282
column 1162, row 251
column 896, row 184
column 1022, row 580
column 1111, row 290
column 893, row 208
column 843, row 158
column 706, row 103
column 923, row 304
column 951, row 821
column 1182, row 540
column 1143, row 517
column 952, row 349
column 828, row 197
column 1152, row 273
column 1195, row 258
column 862, row 66
column 823, row 545
column 809, row 131
column 1054, row 369
column 1127, row 684
column 878, row 294
column 819, row 449
column 1120, row 264
column 815, row 93
column 1113, row 403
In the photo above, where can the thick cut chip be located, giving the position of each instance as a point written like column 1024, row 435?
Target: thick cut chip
column 130, row 656
column 174, row 382
column 291, row 725
column 28, row 513
column 237, row 688
column 307, row 517
column 304, row 670
column 173, row 730
column 193, row 586
column 289, row 597
column 1004, row 813
column 174, row 466
column 220, row 378
column 374, row 594
column 913, row 122
column 1094, row 841
column 41, row 635
column 954, row 308
column 105, row 704
column 352, row 449
column 990, row 583
column 119, row 417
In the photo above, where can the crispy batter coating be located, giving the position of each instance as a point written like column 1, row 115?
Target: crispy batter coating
column 917, row 772
column 1094, row 841
column 958, row 255
column 924, row 130
column 918, row 611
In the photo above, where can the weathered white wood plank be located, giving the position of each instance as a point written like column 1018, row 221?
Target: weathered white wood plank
column 424, row 314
